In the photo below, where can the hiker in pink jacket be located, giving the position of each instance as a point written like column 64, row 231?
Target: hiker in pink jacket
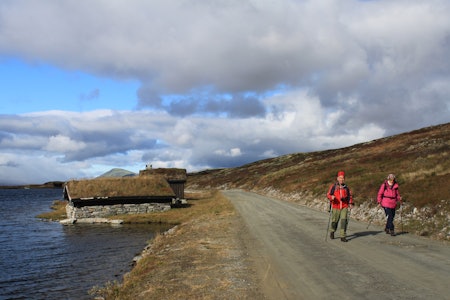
column 388, row 197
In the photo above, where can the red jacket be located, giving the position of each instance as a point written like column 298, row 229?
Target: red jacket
column 342, row 194
column 388, row 196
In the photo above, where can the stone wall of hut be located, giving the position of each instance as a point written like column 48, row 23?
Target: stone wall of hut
column 104, row 211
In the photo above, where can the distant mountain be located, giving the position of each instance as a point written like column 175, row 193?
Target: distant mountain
column 117, row 172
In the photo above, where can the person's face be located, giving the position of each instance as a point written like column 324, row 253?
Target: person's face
column 340, row 179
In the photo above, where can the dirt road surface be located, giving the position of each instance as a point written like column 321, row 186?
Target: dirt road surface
column 294, row 260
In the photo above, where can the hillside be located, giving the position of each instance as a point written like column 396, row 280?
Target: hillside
column 420, row 159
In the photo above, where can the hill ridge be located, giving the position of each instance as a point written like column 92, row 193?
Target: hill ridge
column 419, row 158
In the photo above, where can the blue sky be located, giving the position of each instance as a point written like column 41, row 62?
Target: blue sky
column 87, row 86
column 28, row 87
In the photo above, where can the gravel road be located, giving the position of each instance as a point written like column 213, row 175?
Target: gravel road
column 294, row 260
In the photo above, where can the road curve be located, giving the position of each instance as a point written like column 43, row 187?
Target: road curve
column 294, row 260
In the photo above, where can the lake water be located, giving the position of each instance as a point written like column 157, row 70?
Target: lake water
column 47, row 260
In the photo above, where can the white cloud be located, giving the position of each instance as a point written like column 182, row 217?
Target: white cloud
column 63, row 144
column 233, row 152
column 228, row 82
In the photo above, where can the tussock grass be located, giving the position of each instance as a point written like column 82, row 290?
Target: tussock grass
column 165, row 271
column 58, row 211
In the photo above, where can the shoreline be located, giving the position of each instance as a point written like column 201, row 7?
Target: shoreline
column 47, row 185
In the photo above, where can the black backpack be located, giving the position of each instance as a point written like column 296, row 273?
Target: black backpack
column 345, row 188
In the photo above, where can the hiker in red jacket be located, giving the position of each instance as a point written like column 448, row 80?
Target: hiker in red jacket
column 341, row 199
column 388, row 197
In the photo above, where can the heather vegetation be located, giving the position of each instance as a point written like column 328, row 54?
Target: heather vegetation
column 420, row 159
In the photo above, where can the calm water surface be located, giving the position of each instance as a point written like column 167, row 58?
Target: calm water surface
column 46, row 260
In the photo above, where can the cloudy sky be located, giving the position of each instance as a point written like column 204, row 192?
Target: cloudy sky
column 86, row 86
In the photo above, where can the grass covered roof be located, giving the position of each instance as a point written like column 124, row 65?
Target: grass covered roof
column 122, row 187
column 171, row 174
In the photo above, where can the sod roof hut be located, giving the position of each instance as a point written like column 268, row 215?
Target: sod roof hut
column 175, row 177
column 109, row 191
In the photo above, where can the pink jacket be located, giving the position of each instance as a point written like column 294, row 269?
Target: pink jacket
column 388, row 196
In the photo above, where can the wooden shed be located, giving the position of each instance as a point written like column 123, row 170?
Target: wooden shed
column 175, row 177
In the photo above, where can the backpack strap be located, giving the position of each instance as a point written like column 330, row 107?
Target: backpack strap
column 346, row 189
column 333, row 189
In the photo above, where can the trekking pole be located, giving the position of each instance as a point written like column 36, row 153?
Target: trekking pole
column 329, row 219
column 401, row 213
column 371, row 219
column 348, row 216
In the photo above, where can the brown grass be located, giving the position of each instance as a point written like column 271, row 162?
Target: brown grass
column 168, row 173
column 151, row 185
column 58, row 211
column 420, row 159
column 190, row 261
column 197, row 205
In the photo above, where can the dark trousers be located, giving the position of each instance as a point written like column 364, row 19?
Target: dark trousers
column 390, row 213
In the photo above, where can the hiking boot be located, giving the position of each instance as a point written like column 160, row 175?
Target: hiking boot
column 343, row 239
column 332, row 235
column 392, row 233
column 387, row 231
